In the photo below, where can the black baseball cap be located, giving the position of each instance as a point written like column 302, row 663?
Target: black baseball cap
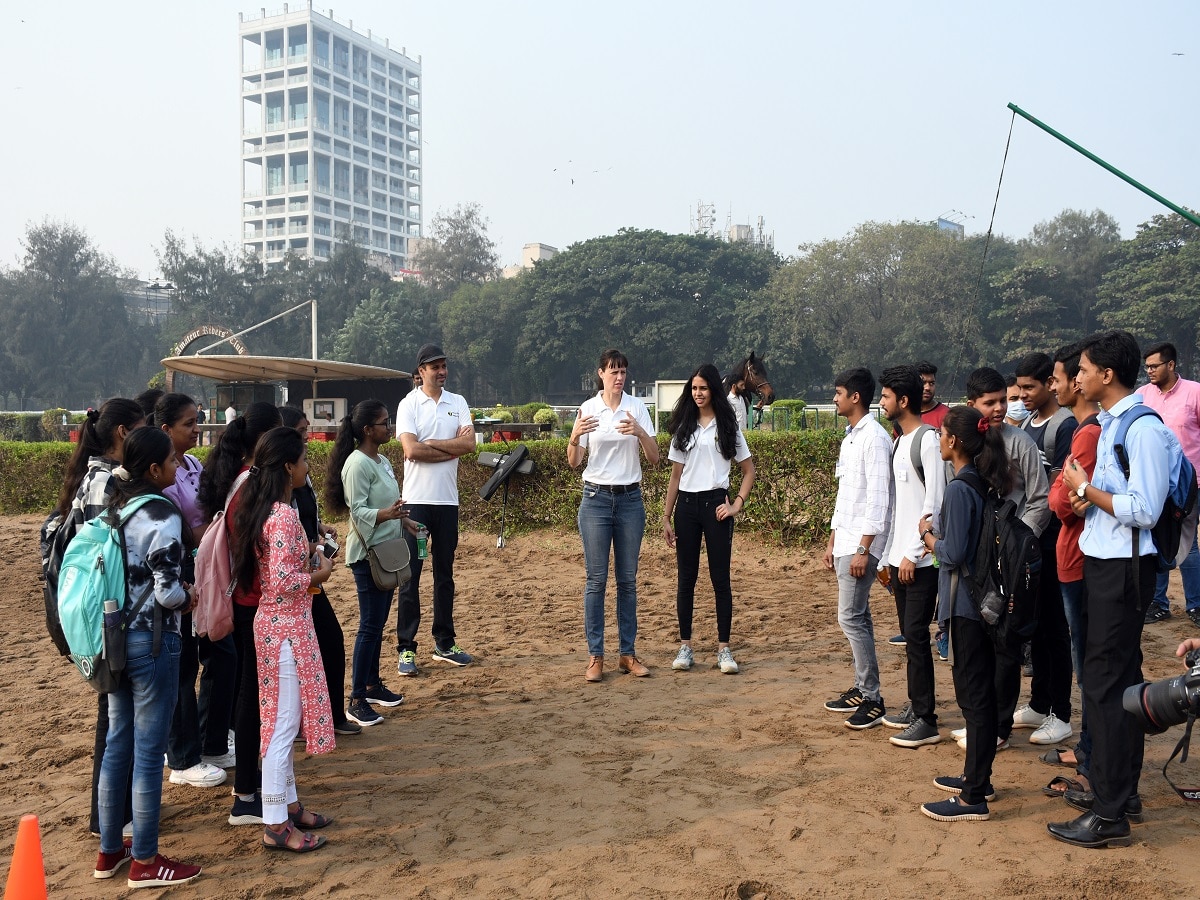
column 429, row 353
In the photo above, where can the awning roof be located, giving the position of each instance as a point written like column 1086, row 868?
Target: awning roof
column 274, row 368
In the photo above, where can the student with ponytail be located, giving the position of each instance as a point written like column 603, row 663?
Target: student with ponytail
column 975, row 448
column 86, row 493
column 291, row 678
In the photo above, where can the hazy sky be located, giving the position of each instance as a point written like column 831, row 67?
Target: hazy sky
column 123, row 117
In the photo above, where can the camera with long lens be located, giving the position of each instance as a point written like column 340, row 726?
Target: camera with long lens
column 1159, row 705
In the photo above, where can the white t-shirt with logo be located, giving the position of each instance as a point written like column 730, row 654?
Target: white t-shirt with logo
column 613, row 458
column 704, row 468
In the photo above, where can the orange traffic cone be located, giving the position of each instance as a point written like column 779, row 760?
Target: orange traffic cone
column 27, row 875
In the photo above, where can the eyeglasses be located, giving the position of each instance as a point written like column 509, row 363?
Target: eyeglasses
column 385, row 423
column 1151, row 367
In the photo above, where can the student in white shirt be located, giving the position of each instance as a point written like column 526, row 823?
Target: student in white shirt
column 858, row 532
column 610, row 430
column 705, row 440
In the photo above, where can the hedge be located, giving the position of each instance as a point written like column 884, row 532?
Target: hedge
column 791, row 502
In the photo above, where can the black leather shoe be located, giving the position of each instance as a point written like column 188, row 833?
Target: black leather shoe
column 1089, row 830
column 1086, row 799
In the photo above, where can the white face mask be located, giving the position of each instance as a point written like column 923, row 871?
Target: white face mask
column 1017, row 411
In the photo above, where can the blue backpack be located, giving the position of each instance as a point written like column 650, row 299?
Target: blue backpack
column 93, row 596
column 1181, row 496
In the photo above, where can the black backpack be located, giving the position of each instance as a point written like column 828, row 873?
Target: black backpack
column 52, row 543
column 1007, row 569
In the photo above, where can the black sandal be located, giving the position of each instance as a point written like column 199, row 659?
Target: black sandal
column 278, row 840
column 1069, row 784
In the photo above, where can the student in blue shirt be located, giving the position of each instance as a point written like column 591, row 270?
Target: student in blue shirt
column 1118, row 592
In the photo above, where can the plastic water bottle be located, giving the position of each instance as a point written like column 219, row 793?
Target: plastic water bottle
column 422, row 542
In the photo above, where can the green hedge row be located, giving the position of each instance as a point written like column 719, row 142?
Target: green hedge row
column 791, row 502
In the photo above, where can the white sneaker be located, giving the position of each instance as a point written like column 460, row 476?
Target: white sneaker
column 726, row 661
column 1027, row 717
column 1052, row 731
column 1001, row 744
column 959, row 734
column 683, row 659
column 224, row 761
column 199, row 775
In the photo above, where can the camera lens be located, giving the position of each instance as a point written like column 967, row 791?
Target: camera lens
column 1159, row 705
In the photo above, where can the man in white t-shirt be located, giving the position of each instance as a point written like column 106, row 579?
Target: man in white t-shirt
column 434, row 428
column 916, row 492
column 230, row 413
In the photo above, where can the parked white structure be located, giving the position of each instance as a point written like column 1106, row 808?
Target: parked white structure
column 331, row 139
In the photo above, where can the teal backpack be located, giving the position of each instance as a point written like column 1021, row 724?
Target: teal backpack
column 93, row 593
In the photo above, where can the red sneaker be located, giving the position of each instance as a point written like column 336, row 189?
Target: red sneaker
column 108, row 864
column 162, row 872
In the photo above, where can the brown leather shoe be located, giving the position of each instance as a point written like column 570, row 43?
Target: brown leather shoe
column 633, row 666
column 595, row 669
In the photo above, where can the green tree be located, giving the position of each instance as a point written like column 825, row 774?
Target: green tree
column 481, row 324
column 457, row 250
column 389, row 327
column 1153, row 290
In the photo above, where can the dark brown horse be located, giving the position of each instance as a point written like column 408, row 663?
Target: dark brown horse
column 753, row 372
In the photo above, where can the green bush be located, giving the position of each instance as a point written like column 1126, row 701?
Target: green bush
column 791, row 502
column 546, row 416
column 25, row 427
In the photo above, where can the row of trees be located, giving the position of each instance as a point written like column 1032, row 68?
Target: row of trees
column 883, row 294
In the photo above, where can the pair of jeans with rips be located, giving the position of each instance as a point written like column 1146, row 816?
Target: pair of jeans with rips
column 854, row 616
column 615, row 521
column 139, row 715
column 374, row 606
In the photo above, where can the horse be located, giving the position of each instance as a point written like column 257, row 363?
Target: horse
column 752, row 372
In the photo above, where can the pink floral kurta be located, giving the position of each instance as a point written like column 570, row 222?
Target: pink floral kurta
column 285, row 613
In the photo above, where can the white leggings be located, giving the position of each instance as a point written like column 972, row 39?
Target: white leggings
column 278, row 777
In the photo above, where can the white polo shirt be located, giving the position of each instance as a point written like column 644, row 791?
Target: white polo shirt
column 704, row 468
column 434, row 483
column 613, row 458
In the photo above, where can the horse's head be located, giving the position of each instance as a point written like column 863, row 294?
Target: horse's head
column 758, row 380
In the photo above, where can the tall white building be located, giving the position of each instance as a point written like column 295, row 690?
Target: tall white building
column 331, row 139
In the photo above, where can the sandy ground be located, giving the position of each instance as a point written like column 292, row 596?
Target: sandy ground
column 515, row 778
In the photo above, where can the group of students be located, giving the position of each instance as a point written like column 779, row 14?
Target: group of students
column 920, row 495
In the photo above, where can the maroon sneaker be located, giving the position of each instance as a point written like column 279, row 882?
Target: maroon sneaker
column 162, row 872
column 108, row 864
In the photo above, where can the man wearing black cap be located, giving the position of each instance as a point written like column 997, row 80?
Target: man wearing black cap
column 434, row 427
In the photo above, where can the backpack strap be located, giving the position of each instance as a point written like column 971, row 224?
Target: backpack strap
column 914, row 450
column 125, row 515
column 1124, row 423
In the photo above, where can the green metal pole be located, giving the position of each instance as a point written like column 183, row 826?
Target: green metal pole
column 1187, row 214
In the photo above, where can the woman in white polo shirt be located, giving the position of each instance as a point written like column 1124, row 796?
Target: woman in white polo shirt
column 705, row 439
column 612, row 430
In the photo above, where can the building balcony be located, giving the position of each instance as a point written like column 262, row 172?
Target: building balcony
column 321, row 189
column 276, row 126
column 302, row 78
column 252, row 66
column 297, row 229
column 322, row 61
column 252, row 193
column 297, row 144
column 297, row 58
column 341, row 193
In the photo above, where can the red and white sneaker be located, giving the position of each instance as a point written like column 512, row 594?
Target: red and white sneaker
column 108, row 864
column 162, row 872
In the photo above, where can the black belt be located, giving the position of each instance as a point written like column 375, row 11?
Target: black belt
column 714, row 494
column 614, row 488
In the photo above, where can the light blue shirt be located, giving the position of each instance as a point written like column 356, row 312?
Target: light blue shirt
column 1153, row 453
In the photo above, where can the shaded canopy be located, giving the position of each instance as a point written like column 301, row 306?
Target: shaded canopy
column 234, row 368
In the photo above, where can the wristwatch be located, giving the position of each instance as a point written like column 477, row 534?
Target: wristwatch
column 861, row 550
column 1082, row 489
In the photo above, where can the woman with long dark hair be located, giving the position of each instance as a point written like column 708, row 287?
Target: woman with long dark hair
column 613, row 431
column 981, row 465
column 325, row 621
column 291, row 678
column 705, row 440
column 87, row 491
column 175, row 415
column 360, row 481
column 231, row 457
column 140, row 708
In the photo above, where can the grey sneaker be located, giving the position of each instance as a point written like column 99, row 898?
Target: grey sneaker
column 683, row 659
column 408, row 663
column 726, row 661
column 901, row 719
column 917, row 734
column 455, row 655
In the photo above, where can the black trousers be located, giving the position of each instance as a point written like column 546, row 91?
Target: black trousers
column 696, row 518
column 1112, row 661
column 975, row 690
column 218, row 693
column 1050, row 688
column 915, row 605
column 246, row 721
column 183, row 740
column 1008, row 687
column 442, row 522
column 333, row 653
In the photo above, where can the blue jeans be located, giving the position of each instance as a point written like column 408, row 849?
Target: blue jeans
column 139, row 714
column 1074, row 595
column 854, row 615
column 617, row 521
column 1189, row 571
column 374, row 606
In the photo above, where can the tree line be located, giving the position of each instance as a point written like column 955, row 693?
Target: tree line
column 883, row 294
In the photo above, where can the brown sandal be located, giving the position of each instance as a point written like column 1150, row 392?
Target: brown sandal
column 1068, row 784
column 278, row 840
